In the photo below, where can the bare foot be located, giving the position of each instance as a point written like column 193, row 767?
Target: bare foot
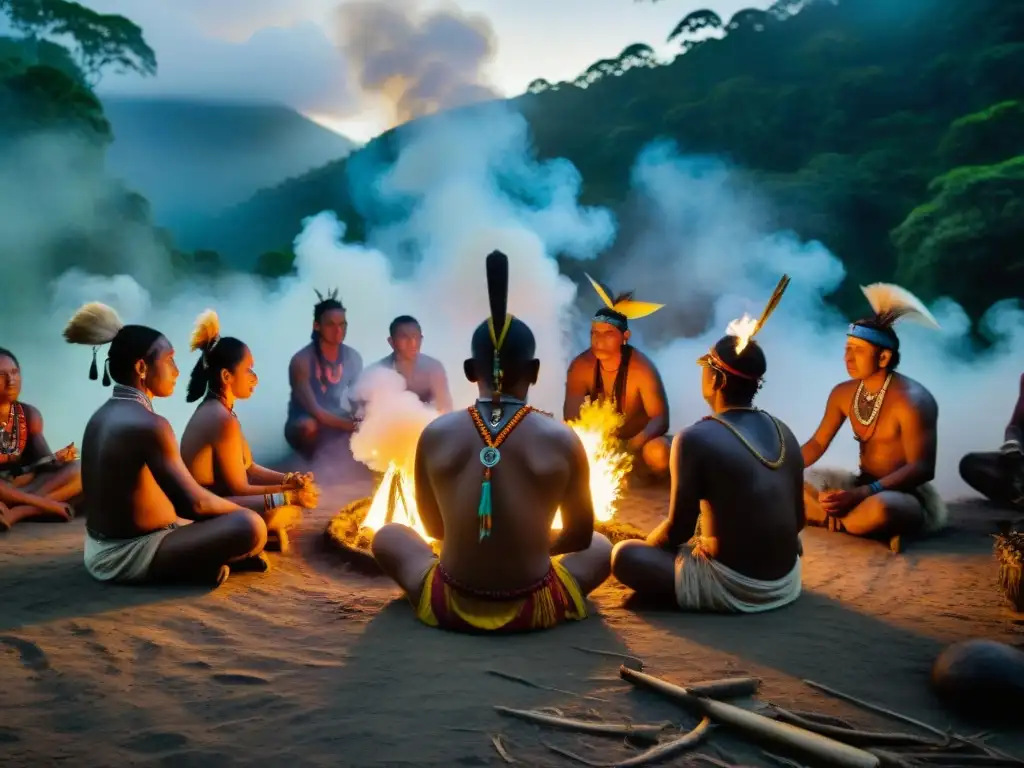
column 255, row 564
column 4, row 525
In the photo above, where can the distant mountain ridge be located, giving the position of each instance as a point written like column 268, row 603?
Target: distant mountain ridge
column 194, row 158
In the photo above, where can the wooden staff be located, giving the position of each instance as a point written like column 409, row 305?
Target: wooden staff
column 812, row 745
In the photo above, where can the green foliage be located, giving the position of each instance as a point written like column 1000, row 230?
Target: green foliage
column 970, row 231
column 275, row 264
column 41, row 97
column 100, row 41
column 841, row 111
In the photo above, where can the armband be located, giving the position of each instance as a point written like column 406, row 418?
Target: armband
column 875, row 487
column 273, row 501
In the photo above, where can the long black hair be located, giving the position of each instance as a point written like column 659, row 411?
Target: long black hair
column 224, row 354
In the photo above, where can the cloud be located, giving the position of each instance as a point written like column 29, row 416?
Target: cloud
column 419, row 61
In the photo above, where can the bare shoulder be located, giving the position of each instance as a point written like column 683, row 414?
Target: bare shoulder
column 33, row 416
column 639, row 362
column 584, row 361
column 431, row 364
column 914, row 394
column 300, row 359
column 443, row 427
column 697, row 436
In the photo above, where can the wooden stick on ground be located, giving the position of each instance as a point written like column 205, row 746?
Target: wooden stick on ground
column 821, row 748
column 662, row 751
column 880, row 710
column 500, row 748
column 625, row 656
column 642, row 732
column 538, row 686
column 855, row 737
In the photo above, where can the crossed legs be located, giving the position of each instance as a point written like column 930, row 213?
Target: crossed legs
column 201, row 552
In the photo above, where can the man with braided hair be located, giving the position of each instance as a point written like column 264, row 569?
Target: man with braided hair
column 135, row 485
column 321, row 375
column 614, row 369
column 739, row 474
column 894, row 420
column 489, row 481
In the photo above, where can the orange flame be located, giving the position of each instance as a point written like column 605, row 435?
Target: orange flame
column 609, row 464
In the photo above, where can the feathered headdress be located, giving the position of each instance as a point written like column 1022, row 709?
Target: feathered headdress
column 890, row 304
column 94, row 325
column 744, row 330
column 205, row 334
column 622, row 308
column 500, row 320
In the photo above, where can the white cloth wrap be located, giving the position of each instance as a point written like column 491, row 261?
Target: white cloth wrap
column 704, row 584
column 125, row 561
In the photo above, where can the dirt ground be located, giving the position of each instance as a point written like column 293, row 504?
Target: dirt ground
column 309, row 665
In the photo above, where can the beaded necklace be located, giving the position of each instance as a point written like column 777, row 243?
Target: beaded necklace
column 757, row 455
column 13, row 435
column 489, row 457
column 878, row 398
column 121, row 392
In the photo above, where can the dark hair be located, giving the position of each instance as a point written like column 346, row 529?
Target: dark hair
column 324, row 306
column 751, row 362
column 884, row 326
column 226, row 354
column 400, row 321
column 610, row 316
column 8, row 353
column 520, row 347
column 132, row 343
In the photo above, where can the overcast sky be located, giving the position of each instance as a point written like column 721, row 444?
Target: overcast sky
column 299, row 51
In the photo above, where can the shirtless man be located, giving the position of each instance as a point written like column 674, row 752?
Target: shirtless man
column 35, row 482
column 488, row 485
column 894, row 418
column 614, row 368
column 739, row 474
column 214, row 447
column 321, row 374
column 999, row 475
column 135, row 484
column 424, row 376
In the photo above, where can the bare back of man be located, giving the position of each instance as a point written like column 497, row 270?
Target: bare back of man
column 750, row 515
column 901, row 436
column 643, row 400
column 137, row 485
column 543, row 468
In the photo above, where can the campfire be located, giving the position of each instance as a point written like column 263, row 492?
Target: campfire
column 395, row 498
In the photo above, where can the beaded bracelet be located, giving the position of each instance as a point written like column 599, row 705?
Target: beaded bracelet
column 875, row 487
column 273, row 501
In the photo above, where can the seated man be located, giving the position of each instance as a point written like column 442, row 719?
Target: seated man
column 424, row 376
column 35, row 482
column 737, row 473
column 999, row 475
column 612, row 368
column 892, row 495
column 214, row 448
column 321, row 374
column 488, row 485
column 134, row 482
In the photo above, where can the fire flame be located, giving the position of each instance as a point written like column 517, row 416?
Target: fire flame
column 743, row 329
column 395, row 499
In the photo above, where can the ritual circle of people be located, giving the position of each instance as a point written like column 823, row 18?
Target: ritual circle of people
column 490, row 479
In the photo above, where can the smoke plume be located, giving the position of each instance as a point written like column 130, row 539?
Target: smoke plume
column 420, row 62
column 702, row 244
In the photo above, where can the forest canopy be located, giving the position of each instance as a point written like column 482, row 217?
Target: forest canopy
column 891, row 132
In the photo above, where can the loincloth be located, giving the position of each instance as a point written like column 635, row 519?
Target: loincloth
column 704, row 584
column 554, row 600
column 125, row 561
column 936, row 513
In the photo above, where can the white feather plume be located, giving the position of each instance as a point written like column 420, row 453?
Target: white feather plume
column 898, row 303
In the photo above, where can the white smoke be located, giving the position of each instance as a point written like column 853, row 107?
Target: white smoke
column 706, row 245
column 392, row 421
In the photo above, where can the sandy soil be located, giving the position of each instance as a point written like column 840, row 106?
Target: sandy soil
column 310, row 665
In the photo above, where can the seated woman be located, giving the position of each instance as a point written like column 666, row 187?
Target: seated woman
column 35, row 482
column 214, row 448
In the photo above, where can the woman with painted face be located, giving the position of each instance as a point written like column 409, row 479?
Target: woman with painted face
column 213, row 446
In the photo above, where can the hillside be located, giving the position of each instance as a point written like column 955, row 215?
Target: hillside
column 891, row 132
column 191, row 157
